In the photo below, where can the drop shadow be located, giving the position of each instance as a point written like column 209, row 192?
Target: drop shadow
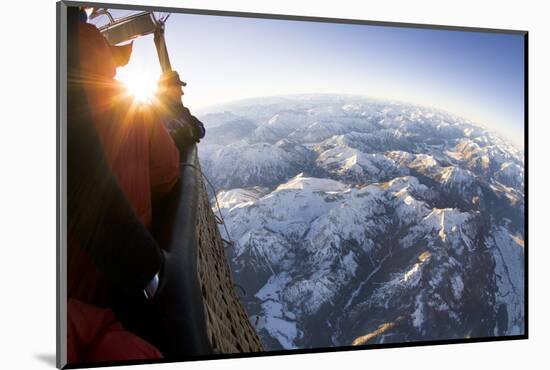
column 46, row 358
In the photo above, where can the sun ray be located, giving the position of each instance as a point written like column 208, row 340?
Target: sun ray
column 140, row 86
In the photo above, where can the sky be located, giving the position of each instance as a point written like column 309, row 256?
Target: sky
column 479, row 76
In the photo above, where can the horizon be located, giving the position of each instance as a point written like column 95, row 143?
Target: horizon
column 225, row 107
column 471, row 74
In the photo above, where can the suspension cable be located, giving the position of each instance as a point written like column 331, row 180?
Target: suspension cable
column 229, row 240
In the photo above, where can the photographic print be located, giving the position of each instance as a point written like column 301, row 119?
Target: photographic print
column 247, row 184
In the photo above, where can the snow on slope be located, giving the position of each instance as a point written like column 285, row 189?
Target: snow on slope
column 351, row 164
column 253, row 163
column 508, row 252
column 349, row 213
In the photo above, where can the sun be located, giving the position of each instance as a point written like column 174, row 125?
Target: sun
column 140, row 86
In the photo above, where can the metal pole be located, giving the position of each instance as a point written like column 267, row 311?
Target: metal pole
column 162, row 51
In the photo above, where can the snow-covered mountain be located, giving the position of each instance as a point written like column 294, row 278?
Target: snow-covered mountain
column 359, row 221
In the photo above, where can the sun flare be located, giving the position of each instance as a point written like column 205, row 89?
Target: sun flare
column 141, row 87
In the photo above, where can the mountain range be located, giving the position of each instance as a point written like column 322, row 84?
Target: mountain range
column 359, row 221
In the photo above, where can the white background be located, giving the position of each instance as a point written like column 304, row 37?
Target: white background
column 27, row 193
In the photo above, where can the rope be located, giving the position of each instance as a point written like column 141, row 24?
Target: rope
column 228, row 241
column 241, row 288
column 220, row 220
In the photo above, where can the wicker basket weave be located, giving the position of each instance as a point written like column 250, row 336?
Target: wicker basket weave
column 229, row 328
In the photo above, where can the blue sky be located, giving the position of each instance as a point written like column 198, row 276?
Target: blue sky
column 472, row 74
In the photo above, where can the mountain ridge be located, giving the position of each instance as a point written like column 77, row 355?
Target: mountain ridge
column 354, row 216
